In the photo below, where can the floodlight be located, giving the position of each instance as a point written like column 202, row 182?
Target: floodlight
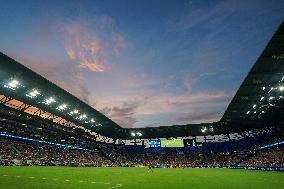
column 81, row 117
column 139, row 134
column 203, row 130
column 62, row 107
column 84, row 116
column 49, row 100
column 270, row 89
column 133, row 134
column 33, row 93
column 92, row 120
column 271, row 98
column 14, row 84
column 254, row 106
column 261, row 98
column 281, row 88
column 73, row 112
column 263, row 88
column 248, row 112
column 99, row 124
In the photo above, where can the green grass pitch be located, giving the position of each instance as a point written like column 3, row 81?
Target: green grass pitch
column 136, row 178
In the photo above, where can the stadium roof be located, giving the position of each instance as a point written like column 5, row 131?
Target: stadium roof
column 19, row 82
column 258, row 102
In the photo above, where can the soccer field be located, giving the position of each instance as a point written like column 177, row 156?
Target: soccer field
column 136, row 178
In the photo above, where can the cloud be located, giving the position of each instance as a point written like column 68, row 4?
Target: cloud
column 197, row 117
column 123, row 115
column 118, row 41
column 229, row 31
column 191, row 78
column 220, row 12
column 65, row 75
column 84, row 47
column 145, row 81
column 92, row 43
column 130, row 110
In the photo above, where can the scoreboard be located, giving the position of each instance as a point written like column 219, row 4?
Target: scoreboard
column 189, row 142
column 154, row 143
column 172, row 143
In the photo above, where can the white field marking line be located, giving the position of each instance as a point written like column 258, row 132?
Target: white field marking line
column 31, row 177
column 5, row 175
column 18, row 176
column 116, row 186
column 67, row 180
column 43, row 178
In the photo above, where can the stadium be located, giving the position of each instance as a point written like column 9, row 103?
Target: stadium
column 50, row 138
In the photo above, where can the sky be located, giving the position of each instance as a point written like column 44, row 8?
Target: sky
column 142, row 63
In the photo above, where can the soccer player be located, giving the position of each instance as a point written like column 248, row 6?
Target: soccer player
column 150, row 168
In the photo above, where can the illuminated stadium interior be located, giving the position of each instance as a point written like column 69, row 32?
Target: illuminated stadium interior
column 49, row 136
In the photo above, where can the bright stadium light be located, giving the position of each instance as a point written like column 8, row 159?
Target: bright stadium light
column 281, row 88
column 49, row 100
column 263, row 88
column 139, row 134
column 33, row 93
column 203, row 130
column 62, row 107
column 261, row 98
column 14, row 84
column 92, row 120
column 133, row 134
column 73, row 112
column 248, row 112
column 82, row 117
column 254, row 106
column 271, row 98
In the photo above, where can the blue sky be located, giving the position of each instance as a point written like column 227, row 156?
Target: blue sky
column 142, row 63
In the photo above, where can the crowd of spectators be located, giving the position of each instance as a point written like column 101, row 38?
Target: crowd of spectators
column 266, row 158
column 174, row 159
column 239, row 152
column 19, row 152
